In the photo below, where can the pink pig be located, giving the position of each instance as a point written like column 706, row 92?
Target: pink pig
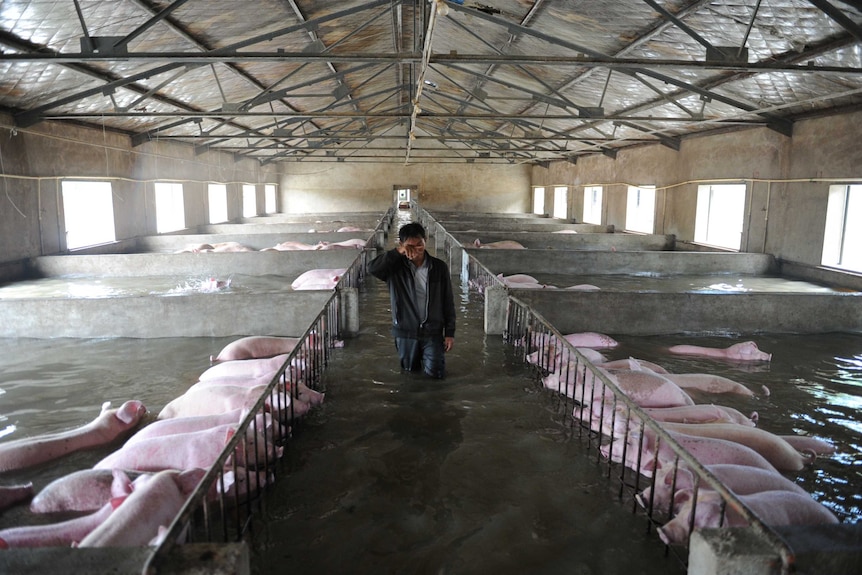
column 740, row 479
column 84, row 490
column 256, row 347
column 151, row 505
column 60, row 534
column 252, row 368
column 772, row 507
column 318, row 279
column 110, row 425
column 745, row 351
column 221, row 398
column 189, row 450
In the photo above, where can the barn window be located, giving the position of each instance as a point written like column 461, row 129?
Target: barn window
column 720, row 215
column 170, row 208
column 640, row 209
column 88, row 213
column 269, row 198
column 561, row 202
column 217, row 195
column 843, row 234
column 539, row 200
column 249, row 201
column 593, row 204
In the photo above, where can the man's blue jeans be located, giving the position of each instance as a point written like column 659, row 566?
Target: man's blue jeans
column 425, row 352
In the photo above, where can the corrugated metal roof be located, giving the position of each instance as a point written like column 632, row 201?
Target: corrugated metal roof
column 427, row 81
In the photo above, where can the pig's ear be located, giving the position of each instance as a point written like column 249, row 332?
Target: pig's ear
column 116, row 501
column 681, row 497
column 228, row 434
column 121, row 484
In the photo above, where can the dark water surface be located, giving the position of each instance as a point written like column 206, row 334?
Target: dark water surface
column 399, row 473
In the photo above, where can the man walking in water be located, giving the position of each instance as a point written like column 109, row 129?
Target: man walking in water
column 423, row 307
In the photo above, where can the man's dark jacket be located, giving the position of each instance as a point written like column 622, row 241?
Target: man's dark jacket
column 394, row 269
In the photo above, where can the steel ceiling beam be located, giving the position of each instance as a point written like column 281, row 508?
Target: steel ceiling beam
column 32, row 116
column 610, row 62
column 840, row 18
column 779, row 124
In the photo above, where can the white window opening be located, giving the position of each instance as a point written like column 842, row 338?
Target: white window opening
column 88, row 213
column 217, row 195
column 720, row 215
column 843, row 236
column 269, row 199
column 249, row 201
column 593, row 204
column 539, row 200
column 640, row 209
column 170, row 208
column 561, row 202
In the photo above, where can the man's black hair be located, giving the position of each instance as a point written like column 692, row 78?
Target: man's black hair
column 411, row 230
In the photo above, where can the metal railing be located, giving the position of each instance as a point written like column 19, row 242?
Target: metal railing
column 480, row 277
column 625, row 437
column 223, row 505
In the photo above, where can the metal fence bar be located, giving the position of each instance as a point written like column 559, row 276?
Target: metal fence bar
column 575, row 374
column 223, row 504
column 480, row 277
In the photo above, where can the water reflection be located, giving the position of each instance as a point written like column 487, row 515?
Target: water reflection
column 815, row 384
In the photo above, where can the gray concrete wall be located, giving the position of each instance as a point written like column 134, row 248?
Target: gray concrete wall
column 788, row 180
column 287, row 264
column 37, row 159
column 667, row 313
column 330, row 187
column 587, row 241
column 622, row 262
column 200, row 315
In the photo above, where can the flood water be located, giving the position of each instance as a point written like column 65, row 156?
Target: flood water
column 137, row 286
column 399, row 473
column 472, row 474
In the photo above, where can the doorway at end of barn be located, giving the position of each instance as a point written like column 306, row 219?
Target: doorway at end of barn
column 404, row 195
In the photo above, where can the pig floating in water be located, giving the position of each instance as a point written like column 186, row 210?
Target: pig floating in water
column 110, row 425
column 775, row 450
column 85, row 490
column 745, row 351
column 352, row 244
column 61, row 534
column 251, row 368
column 501, row 245
column 740, row 479
column 709, row 383
column 231, row 247
column 256, row 347
column 151, row 505
column 774, row 508
column 195, row 249
column 221, row 398
column 318, row 279
column 190, row 450
column 707, row 450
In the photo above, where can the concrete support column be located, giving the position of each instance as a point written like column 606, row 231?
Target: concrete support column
column 456, row 259
column 439, row 236
column 736, row 551
column 348, row 300
column 496, row 305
